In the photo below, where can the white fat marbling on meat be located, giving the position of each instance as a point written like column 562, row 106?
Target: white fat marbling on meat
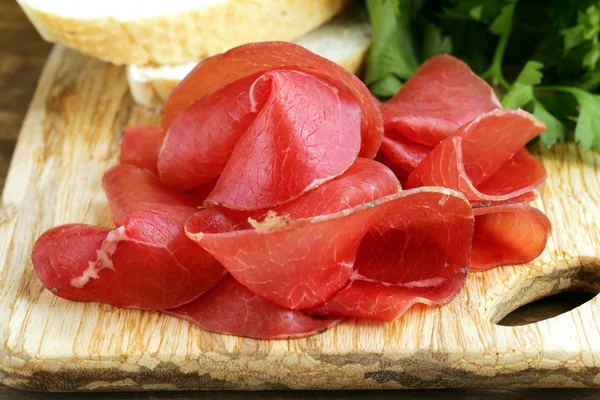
column 104, row 258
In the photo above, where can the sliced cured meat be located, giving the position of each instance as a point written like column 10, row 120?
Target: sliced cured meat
column 403, row 152
column 201, row 192
column 201, row 139
column 442, row 96
column 507, row 234
column 301, row 256
column 285, row 257
column 517, row 177
column 233, row 309
column 253, row 59
column 147, row 262
column 140, row 145
column 270, row 140
column 128, row 187
column 419, row 253
column 400, row 173
column 486, row 160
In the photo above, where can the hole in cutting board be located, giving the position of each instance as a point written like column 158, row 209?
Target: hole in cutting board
column 547, row 307
column 537, row 298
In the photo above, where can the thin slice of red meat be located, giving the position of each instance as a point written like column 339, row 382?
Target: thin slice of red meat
column 233, row 309
column 139, row 146
column 201, row 139
column 128, row 187
column 147, row 262
column 419, row 253
column 270, row 139
column 400, row 173
column 486, row 160
column 403, row 152
column 252, row 59
column 442, row 96
column 305, row 252
column 200, row 193
column 508, row 234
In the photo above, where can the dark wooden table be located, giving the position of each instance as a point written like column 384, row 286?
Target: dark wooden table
column 22, row 56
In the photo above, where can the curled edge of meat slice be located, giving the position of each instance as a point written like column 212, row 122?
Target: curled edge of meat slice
column 417, row 254
column 508, row 234
column 243, row 61
column 486, row 160
column 267, row 139
column 443, row 95
column 233, row 309
column 286, row 259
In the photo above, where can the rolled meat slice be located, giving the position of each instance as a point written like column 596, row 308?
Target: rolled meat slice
column 214, row 73
column 268, row 140
column 486, row 159
column 507, row 234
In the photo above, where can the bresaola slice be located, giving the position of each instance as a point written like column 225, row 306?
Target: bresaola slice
column 128, row 187
column 442, row 96
column 214, row 73
column 486, row 159
column 417, row 253
column 233, row 309
column 201, row 139
column 304, row 254
column 147, row 262
column 270, row 139
column 140, row 145
column 507, row 234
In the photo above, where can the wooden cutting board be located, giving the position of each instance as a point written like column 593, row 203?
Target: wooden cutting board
column 70, row 138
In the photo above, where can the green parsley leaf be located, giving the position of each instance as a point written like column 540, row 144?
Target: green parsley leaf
column 587, row 131
column 591, row 58
column 386, row 87
column 503, row 22
column 434, row 42
column 573, row 37
column 583, row 37
column 521, row 92
column 555, row 129
column 531, row 73
column 518, row 96
column 393, row 51
column 476, row 12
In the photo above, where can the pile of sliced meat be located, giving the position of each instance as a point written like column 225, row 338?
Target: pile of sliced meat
column 258, row 207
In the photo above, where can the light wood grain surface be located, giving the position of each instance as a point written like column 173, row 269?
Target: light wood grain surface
column 22, row 55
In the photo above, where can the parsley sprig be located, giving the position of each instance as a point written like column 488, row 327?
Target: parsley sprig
column 540, row 56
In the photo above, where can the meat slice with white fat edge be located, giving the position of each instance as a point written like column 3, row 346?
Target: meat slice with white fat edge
column 147, row 262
